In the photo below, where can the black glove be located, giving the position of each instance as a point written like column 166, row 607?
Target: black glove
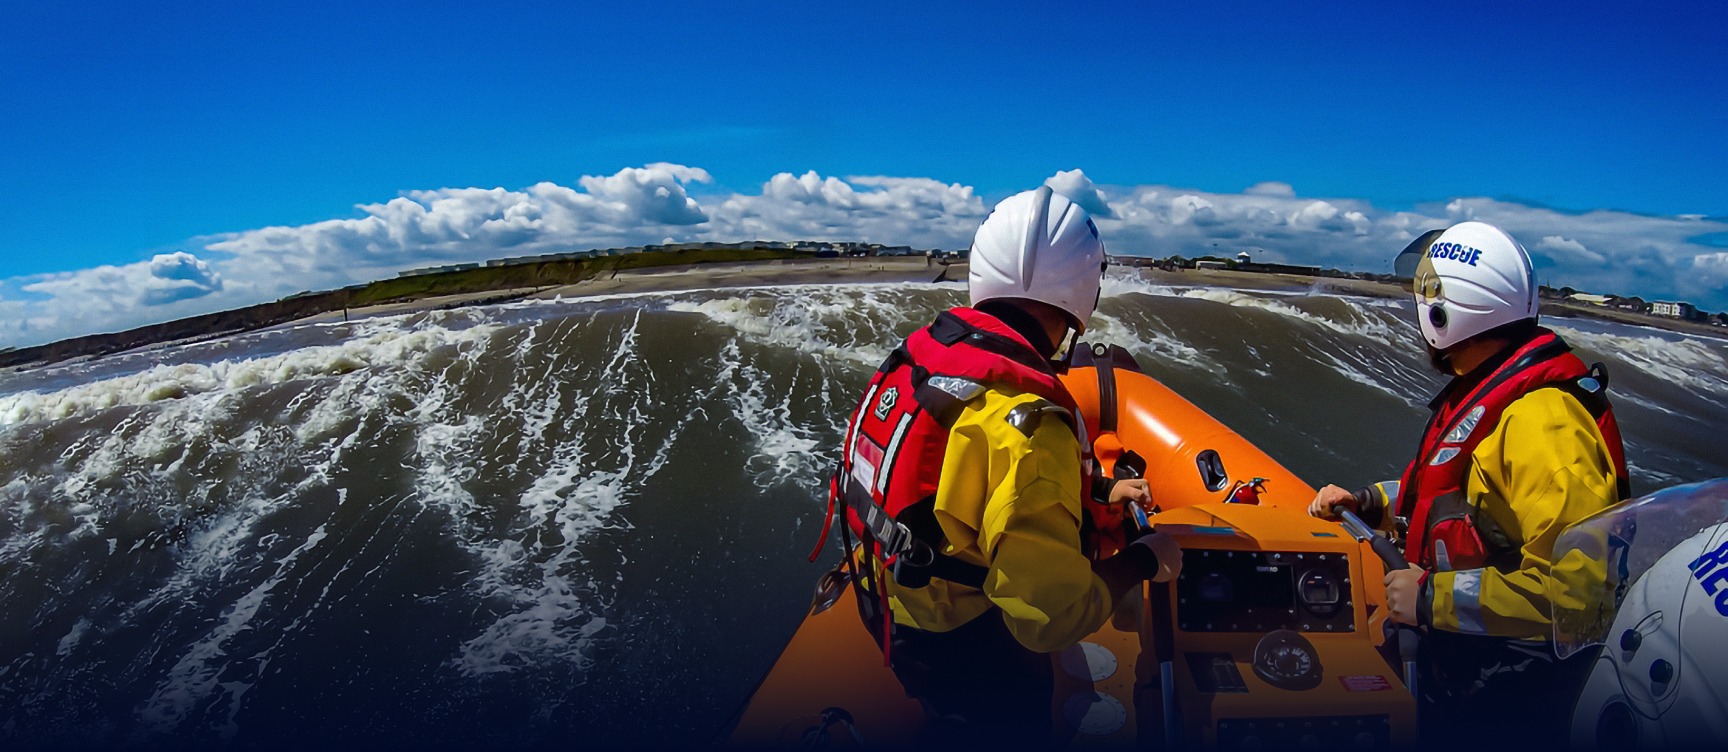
column 1157, row 554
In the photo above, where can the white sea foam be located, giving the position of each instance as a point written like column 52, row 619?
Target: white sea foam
column 1692, row 363
column 193, row 679
column 550, row 613
column 846, row 323
column 381, row 347
column 1652, row 476
column 1148, row 342
column 787, row 445
column 840, row 325
column 1401, row 391
column 73, row 637
column 1375, row 325
column 1117, row 284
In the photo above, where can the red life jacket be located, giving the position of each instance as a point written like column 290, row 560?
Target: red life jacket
column 897, row 437
column 1446, row 532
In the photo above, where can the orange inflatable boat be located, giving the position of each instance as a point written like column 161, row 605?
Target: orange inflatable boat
column 1272, row 637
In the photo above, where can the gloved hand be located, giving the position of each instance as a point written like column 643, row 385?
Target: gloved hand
column 1154, row 555
column 1366, row 502
column 1166, row 554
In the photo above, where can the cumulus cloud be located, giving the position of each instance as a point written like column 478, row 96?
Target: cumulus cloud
column 1714, row 264
column 107, row 297
column 634, row 206
column 652, row 194
column 911, row 211
column 1078, row 188
column 1603, row 251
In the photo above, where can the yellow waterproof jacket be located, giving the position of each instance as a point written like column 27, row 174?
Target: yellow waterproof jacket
column 1544, row 467
column 1011, row 502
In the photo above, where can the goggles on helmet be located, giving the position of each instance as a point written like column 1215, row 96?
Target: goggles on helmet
column 1415, row 270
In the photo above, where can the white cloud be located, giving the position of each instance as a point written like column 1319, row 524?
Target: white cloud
column 913, row 211
column 634, row 206
column 1078, row 188
column 1603, row 251
column 1715, row 264
column 1271, row 188
column 652, row 194
column 1562, row 249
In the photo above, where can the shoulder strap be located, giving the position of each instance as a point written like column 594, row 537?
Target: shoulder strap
column 1591, row 390
column 949, row 329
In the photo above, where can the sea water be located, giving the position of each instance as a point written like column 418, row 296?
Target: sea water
column 558, row 523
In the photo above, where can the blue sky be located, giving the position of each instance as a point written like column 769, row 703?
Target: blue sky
column 134, row 130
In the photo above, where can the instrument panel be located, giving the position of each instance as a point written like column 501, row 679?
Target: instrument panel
column 1263, row 591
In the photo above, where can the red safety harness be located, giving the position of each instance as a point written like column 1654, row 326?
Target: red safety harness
column 1446, row 532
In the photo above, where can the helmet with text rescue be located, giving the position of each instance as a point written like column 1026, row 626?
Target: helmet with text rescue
column 1468, row 279
column 1039, row 246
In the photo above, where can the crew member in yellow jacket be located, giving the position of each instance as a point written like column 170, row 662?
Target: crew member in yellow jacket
column 963, row 476
column 1016, row 496
column 1522, row 444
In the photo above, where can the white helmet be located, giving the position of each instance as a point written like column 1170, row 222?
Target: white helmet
column 1468, row 279
column 1039, row 246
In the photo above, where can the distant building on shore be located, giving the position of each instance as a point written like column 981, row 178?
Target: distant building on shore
column 437, row 269
column 1677, row 310
column 1584, row 297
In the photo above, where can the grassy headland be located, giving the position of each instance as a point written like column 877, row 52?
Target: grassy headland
column 398, row 290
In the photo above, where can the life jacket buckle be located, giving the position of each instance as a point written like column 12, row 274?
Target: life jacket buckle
column 911, row 567
column 917, row 553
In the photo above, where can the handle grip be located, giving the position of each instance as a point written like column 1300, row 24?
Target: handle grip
column 1383, row 547
column 1389, row 553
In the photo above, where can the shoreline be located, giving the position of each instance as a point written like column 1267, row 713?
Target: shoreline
column 863, row 269
column 891, row 269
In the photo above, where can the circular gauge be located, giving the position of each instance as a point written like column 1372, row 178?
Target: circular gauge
column 1286, row 660
column 1320, row 592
